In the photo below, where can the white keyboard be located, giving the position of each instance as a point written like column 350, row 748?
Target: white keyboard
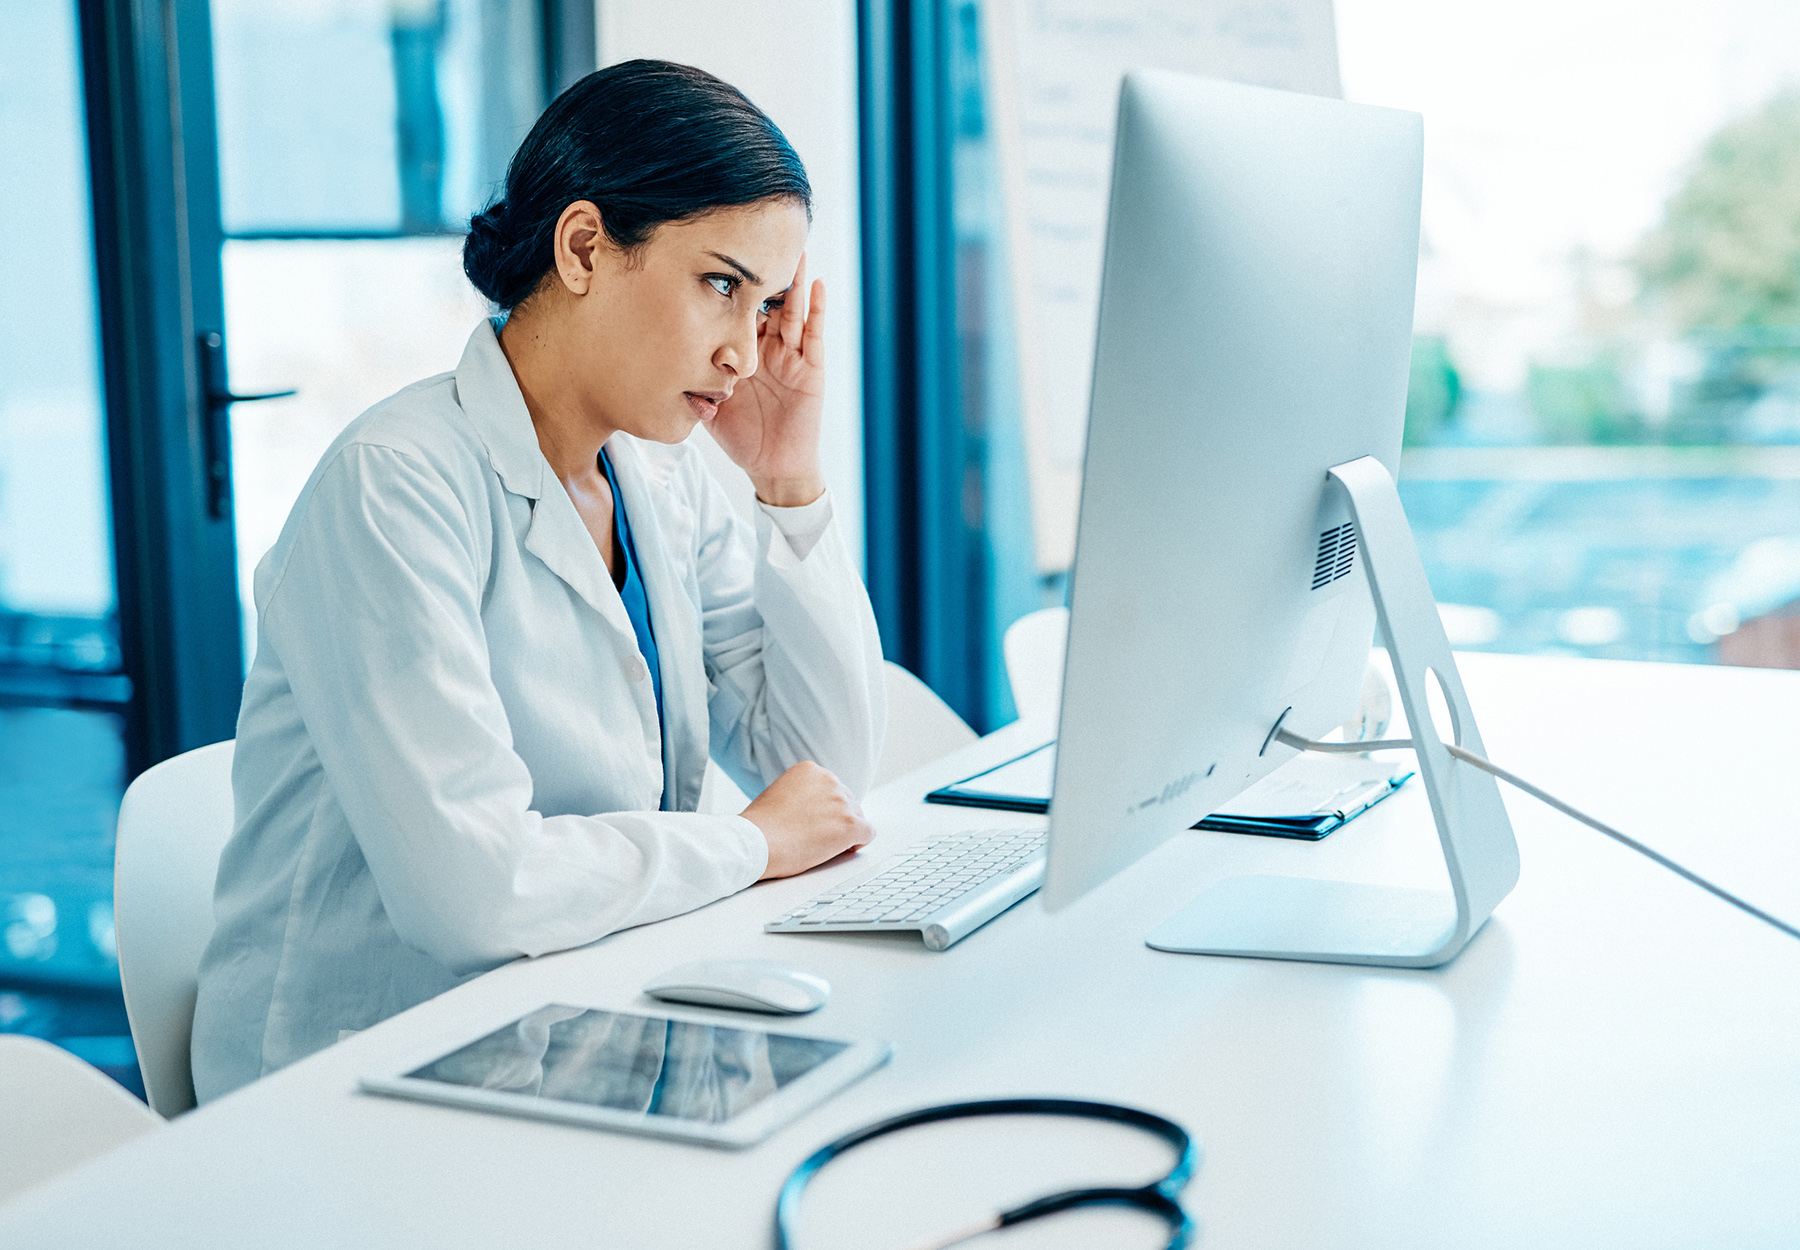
column 945, row 887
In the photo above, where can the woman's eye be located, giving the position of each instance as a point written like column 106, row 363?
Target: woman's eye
column 767, row 307
column 723, row 285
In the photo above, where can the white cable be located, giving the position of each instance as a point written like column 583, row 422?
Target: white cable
column 1469, row 757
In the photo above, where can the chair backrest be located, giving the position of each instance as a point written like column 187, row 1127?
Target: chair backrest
column 173, row 823
column 1034, row 647
column 58, row 1113
column 921, row 727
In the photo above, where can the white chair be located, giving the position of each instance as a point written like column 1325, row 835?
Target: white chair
column 58, row 1113
column 921, row 728
column 173, row 824
column 1034, row 646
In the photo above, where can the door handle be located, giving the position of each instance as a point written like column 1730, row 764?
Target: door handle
column 216, row 399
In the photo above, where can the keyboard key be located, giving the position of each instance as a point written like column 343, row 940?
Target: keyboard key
column 922, row 880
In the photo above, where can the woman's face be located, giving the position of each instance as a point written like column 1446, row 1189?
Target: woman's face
column 661, row 336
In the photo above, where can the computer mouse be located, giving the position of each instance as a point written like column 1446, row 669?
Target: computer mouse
column 743, row 985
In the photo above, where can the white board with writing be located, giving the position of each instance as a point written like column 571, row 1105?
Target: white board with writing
column 1054, row 72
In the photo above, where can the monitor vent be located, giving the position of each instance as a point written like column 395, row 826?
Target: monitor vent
column 1337, row 554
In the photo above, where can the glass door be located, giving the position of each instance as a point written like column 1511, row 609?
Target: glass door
column 141, row 277
column 118, row 639
column 63, row 689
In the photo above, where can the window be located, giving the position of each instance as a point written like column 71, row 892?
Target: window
column 1603, row 423
column 1603, row 427
column 63, row 689
column 356, row 139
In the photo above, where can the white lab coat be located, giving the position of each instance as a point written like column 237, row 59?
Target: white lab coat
column 448, row 753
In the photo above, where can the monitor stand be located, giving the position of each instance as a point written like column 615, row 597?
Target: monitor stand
column 1342, row 922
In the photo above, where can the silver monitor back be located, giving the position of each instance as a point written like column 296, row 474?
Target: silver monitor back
column 1255, row 330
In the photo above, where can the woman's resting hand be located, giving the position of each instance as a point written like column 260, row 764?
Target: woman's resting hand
column 807, row 817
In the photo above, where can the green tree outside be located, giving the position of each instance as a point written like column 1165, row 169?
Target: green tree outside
column 1727, row 254
column 1582, row 404
column 1432, row 390
column 1724, row 267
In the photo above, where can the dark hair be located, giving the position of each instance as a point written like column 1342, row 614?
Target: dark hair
column 648, row 142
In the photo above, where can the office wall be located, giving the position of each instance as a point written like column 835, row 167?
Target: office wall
column 797, row 60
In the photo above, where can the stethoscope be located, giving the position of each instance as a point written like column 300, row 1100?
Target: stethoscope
column 1160, row 1197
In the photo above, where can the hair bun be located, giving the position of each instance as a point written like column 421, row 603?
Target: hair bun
column 490, row 219
column 484, row 251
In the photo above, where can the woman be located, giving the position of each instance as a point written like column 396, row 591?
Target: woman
column 512, row 615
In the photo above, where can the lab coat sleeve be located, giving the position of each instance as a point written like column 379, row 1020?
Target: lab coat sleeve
column 376, row 618
column 802, row 526
column 792, row 651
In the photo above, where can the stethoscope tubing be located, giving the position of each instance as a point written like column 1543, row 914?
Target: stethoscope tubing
column 1162, row 1197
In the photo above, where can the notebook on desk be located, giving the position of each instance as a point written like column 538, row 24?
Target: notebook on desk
column 1307, row 797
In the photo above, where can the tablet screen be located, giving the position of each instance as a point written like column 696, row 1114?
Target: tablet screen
column 644, row 1064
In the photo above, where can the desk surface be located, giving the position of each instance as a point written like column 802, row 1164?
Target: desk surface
column 1614, row 1060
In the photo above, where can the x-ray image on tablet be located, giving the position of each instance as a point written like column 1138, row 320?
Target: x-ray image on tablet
column 705, row 1072
column 722, row 1084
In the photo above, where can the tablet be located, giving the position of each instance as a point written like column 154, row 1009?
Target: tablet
column 677, row 1076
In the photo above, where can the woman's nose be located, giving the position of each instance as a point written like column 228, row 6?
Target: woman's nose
column 738, row 353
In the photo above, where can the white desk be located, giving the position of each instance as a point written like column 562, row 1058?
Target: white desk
column 1615, row 1060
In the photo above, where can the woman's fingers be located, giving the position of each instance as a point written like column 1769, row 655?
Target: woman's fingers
column 793, row 312
column 813, row 343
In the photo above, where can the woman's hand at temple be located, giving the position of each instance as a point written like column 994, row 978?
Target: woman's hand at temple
column 770, row 425
column 807, row 817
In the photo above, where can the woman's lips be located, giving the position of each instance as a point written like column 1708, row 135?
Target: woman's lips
column 705, row 407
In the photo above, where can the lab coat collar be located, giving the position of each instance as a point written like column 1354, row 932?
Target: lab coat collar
column 559, row 538
column 658, row 532
column 490, row 396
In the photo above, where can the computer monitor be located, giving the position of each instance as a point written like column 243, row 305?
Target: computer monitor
column 1254, row 334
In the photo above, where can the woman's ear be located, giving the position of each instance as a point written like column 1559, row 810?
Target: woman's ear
column 579, row 240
